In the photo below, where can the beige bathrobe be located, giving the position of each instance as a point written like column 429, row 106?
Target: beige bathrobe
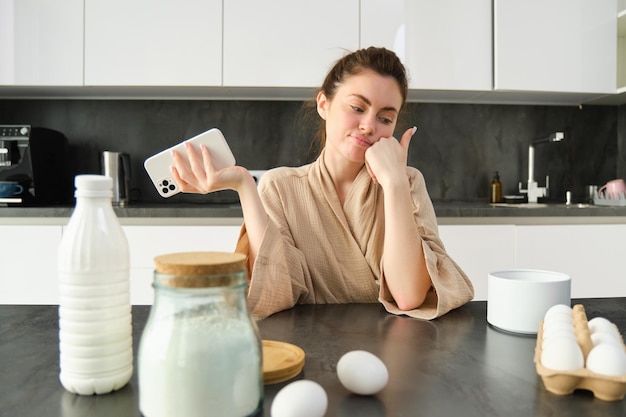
column 314, row 251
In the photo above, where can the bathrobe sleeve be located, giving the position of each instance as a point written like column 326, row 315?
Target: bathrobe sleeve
column 279, row 279
column 451, row 287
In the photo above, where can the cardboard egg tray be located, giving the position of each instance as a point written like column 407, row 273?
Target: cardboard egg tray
column 604, row 387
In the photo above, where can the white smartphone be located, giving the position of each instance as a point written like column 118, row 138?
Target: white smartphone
column 158, row 166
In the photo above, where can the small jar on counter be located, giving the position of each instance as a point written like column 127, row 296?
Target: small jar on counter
column 200, row 351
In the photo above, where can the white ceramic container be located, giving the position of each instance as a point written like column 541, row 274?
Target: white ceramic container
column 518, row 299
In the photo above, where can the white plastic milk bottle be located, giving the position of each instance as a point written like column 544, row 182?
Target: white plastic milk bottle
column 94, row 307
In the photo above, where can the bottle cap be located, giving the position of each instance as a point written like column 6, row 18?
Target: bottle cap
column 93, row 186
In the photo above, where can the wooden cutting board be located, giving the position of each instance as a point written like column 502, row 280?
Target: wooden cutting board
column 281, row 361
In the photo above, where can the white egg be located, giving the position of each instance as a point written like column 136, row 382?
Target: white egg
column 607, row 359
column 601, row 337
column 558, row 310
column 600, row 324
column 362, row 372
column 557, row 336
column 301, row 398
column 559, row 318
column 562, row 354
column 553, row 327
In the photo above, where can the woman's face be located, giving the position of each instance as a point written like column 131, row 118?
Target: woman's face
column 364, row 109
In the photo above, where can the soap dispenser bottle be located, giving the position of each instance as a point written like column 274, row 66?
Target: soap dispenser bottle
column 495, row 189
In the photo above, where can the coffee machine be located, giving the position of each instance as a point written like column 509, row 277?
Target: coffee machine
column 36, row 158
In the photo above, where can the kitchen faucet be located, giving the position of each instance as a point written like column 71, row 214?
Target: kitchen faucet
column 532, row 189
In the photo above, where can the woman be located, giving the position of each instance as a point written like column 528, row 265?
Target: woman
column 357, row 225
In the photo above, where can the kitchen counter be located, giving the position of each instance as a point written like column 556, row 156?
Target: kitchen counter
column 455, row 365
column 449, row 212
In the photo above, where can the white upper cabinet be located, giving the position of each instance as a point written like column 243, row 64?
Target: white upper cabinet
column 557, row 52
column 41, row 42
column 153, row 42
column 285, row 43
column 557, row 45
column 445, row 44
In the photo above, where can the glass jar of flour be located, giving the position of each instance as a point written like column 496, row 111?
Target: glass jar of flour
column 200, row 353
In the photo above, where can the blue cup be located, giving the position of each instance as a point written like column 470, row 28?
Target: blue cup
column 10, row 188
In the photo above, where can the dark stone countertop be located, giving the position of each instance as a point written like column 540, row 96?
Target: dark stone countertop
column 482, row 209
column 443, row 209
column 456, row 365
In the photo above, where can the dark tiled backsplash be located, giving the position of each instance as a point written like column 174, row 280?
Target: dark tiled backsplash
column 457, row 146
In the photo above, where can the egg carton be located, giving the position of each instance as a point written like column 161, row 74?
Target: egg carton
column 604, row 387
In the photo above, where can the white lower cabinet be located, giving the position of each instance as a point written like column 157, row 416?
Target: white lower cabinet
column 480, row 249
column 28, row 257
column 146, row 242
column 590, row 254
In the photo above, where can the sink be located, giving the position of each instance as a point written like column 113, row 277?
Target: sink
column 521, row 205
column 580, row 205
column 543, row 205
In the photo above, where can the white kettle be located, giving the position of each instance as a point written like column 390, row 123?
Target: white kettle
column 117, row 166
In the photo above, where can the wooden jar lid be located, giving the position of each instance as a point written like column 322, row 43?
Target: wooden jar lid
column 281, row 361
column 194, row 269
